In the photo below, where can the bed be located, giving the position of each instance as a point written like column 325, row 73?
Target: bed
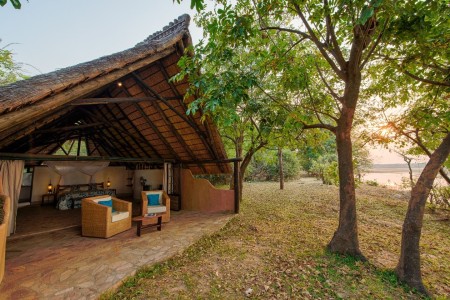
column 70, row 196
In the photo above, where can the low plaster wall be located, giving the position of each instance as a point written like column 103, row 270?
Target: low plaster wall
column 201, row 195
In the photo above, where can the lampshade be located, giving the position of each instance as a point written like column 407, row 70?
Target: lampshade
column 108, row 183
column 50, row 187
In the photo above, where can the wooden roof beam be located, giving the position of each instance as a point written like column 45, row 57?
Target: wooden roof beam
column 109, row 141
column 193, row 124
column 42, row 157
column 145, row 141
column 174, row 131
column 145, row 86
column 150, row 123
column 109, row 130
column 68, row 128
column 100, row 101
column 130, row 134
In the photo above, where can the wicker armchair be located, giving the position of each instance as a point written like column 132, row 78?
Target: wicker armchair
column 98, row 220
column 163, row 207
column 3, row 231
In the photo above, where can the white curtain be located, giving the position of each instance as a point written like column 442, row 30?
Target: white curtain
column 68, row 167
column 11, row 173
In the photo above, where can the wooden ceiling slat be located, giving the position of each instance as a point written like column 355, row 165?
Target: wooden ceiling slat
column 114, row 137
column 155, row 129
column 131, row 136
column 165, row 71
column 157, row 154
column 109, row 136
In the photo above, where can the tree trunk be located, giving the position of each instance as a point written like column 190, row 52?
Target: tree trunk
column 408, row 268
column 280, row 163
column 345, row 239
column 244, row 164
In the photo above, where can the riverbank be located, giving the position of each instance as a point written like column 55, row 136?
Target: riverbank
column 395, row 175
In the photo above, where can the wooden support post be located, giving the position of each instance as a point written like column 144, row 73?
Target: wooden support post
column 237, row 192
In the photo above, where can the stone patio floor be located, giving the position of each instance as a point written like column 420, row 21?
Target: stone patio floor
column 65, row 265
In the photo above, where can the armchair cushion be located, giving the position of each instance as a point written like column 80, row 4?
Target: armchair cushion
column 119, row 215
column 153, row 199
column 108, row 203
column 156, row 209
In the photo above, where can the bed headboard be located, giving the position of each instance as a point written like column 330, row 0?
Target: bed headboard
column 79, row 187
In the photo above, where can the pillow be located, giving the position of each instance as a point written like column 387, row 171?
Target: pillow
column 74, row 188
column 107, row 203
column 153, row 199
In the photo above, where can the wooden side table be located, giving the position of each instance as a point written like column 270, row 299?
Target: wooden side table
column 51, row 198
column 143, row 222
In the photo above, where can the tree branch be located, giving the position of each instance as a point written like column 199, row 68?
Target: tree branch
column 322, row 126
column 330, row 90
column 374, row 46
column 447, row 84
column 336, row 50
column 301, row 33
column 318, row 44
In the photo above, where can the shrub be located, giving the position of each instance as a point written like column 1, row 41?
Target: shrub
column 264, row 166
column 372, row 182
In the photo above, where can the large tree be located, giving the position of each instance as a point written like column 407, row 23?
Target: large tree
column 418, row 48
column 308, row 47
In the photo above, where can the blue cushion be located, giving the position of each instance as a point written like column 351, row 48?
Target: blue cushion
column 153, row 199
column 107, row 203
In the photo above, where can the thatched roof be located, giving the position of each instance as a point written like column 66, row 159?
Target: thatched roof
column 121, row 105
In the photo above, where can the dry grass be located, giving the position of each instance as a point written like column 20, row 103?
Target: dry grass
column 275, row 250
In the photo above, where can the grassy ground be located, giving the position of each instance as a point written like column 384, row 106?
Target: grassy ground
column 275, row 250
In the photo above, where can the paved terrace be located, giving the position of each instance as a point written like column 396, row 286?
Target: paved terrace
column 65, row 265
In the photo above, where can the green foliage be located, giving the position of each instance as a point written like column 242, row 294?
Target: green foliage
column 415, row 73
column 265, row 166
column 440, row 197
column 9, row 69
column 217, row 180
column 197, row 4
column 15, row 3
column 372, row 182
column 326, row 168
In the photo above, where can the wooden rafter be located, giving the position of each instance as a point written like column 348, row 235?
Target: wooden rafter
column 174, row 131
column 98, row 101
column 15, row 133
column 113, row 137
column 68, row 128
column 145, row 141
column 130, row 135
column 193, row 123
column 149, row 122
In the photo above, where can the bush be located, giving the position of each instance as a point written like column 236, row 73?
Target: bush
column 440, row 197
column 264, row 166
column 372, row 182
column 216, row 179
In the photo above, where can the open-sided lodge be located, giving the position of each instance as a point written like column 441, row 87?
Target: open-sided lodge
column 116, row 125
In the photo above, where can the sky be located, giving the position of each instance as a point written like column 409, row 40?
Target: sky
column 50, row 34
column 46, row 35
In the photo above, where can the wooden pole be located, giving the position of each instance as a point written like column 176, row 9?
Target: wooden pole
column 236, row 187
